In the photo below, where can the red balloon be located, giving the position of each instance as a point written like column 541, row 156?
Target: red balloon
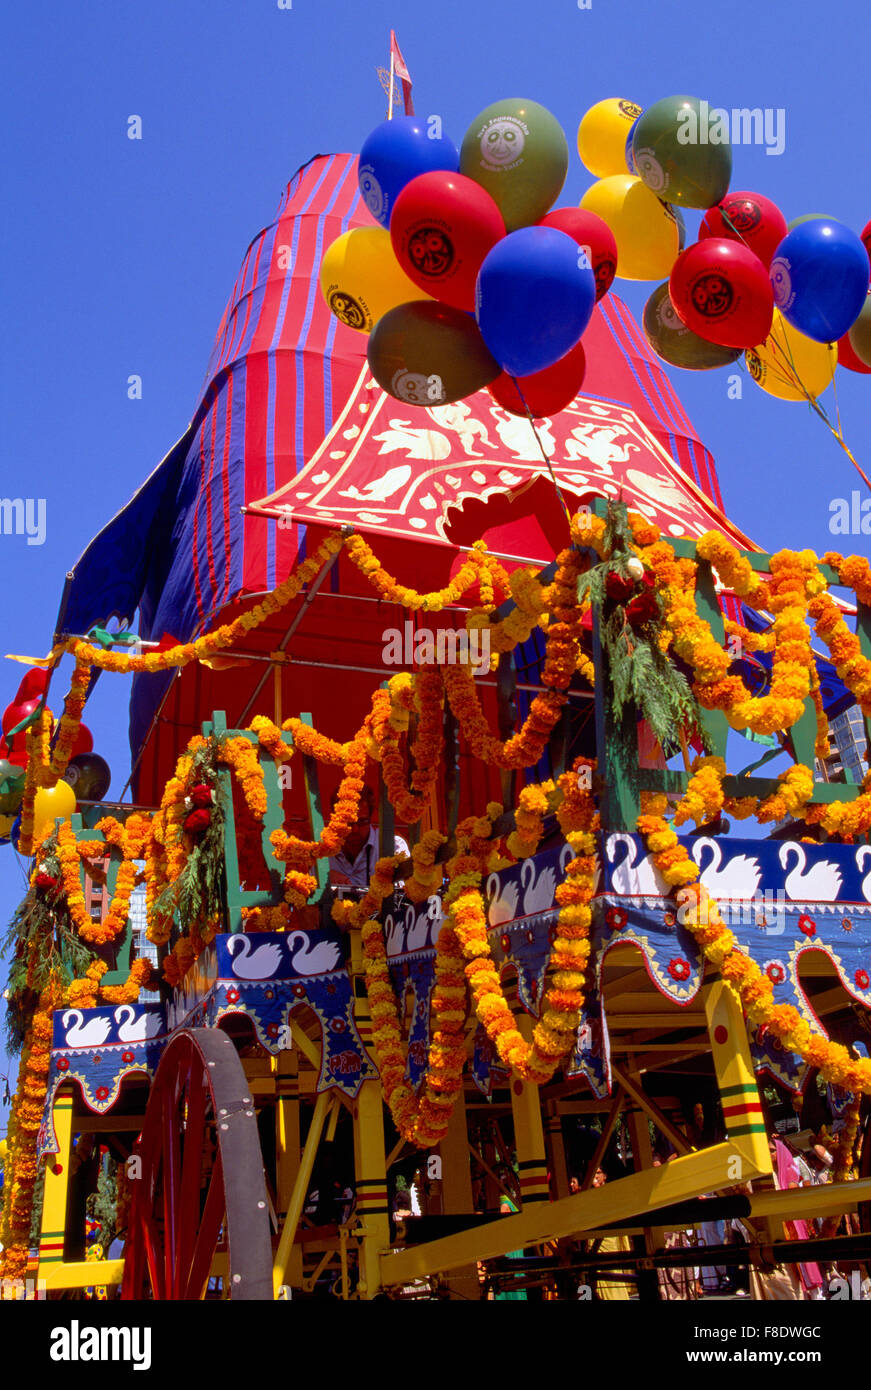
column 14, row 713
column 84, row 741
column 721, row 291
column 33, row 684
column 546, row 392
column 865, row 236
column 18, row 758
column 442, row 227
column 753, row 220
column 593, row 233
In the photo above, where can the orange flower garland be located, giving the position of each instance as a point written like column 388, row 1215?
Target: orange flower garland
column 702, row 918
column 529, row 819
column 240, row 755
column 853, row 668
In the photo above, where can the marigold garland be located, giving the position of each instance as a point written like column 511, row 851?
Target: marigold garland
column 702, row 918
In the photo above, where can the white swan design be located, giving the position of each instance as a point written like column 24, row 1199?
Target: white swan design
column 259, row 964
column 135, row 1029
column 81, row 1034
column 538, row 892
column 501, row 901
column 820, row 883
column 634, row 877
column 863, row 853
column 394, row 928
column 319, row 959
column 418, row 925
column 738, row 878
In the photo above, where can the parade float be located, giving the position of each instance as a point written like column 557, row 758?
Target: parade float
column 440, row 527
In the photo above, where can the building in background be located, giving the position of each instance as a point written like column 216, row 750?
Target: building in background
column 847, row 761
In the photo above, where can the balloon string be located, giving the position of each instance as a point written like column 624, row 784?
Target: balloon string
column 544, row 453
column 796, row 380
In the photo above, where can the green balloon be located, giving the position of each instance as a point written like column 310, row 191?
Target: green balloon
column 682, row 151
column 810, row 217
column 675, row 343
column 12, row 780
column 860, row 334
column 518, row 152
column 425, row 353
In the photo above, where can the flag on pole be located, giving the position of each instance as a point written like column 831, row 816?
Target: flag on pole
column 398, row 66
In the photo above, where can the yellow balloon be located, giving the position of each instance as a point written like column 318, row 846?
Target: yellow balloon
column 645, row 230
column 361, row 278
column 2, row 1150
column 602, row 135
column 51, row 804
column 788, row 357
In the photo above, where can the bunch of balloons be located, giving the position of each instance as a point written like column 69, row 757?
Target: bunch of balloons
column 87, row 777
column 473, row 279
column 793, row 297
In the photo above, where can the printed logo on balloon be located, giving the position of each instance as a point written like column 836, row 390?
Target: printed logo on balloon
column 630, row 109
column 502, row 142
column 373, row 196
column 347, row 310
column 416, row 388
column 431, row 251
column 781, row 283
column 650, row 170
column 712, row 295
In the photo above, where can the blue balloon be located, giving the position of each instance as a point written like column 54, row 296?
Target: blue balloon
column 534, row 298
column 394, row 154
column 15, row 830
column 629, row 154
column 820, row 278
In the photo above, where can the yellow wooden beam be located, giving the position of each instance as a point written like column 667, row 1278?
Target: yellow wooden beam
column 81, row 1274
column 803, row 1203
column 53, row 1226
column 688, row 1176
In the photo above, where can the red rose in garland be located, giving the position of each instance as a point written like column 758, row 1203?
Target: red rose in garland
column 201, row 795
column 643, row 608
column 618, row 588
column 197, row 820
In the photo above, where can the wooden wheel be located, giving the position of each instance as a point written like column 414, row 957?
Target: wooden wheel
column 201, row 1187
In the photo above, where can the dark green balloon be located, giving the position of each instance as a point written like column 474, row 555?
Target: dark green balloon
column 12, row 780
column 675, row 343
column 518, row 152
column 426, row 354
column 678, row 152
column 89, row 776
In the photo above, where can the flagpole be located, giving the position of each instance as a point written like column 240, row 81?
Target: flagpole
column 390, row 108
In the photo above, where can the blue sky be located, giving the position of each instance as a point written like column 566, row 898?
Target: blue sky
column 119, row 254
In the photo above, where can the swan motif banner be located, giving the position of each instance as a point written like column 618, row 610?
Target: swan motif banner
column 782, row 899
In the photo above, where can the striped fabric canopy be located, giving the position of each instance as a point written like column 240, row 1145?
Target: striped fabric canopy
column 281, row 370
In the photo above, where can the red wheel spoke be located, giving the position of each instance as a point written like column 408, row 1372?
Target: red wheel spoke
column 207, row 1235
column 171, row 1166
column 154, row 1254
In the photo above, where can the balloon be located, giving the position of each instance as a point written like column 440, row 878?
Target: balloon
column 546, row 392
column 679, row 154
column 749, row 218
column 12, row 781
column 14, row 713
column 395, row 153
column 820, row 275
column 722, row 292
column 602, row 135
column 89, row 775
column 428, row 354
column 361, row 278
column 535, row 296
column 865, row 237
column 628, row 156
column 847, row 357
column 51, row 804
column 644, row 228
column 518, row 152
column 679, row 218
column 442, row 227
column 594, row 235
column 860, row 335
column 674, row 342
column 84, row 741
column 33, row 684
column 809, row 217
column 785, row 354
